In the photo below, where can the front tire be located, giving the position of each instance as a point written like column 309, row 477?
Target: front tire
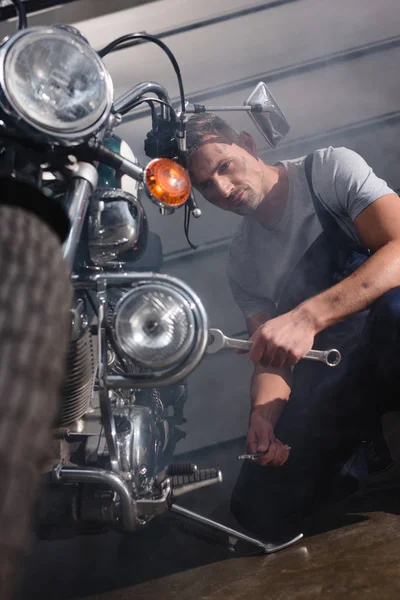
column 35, row 301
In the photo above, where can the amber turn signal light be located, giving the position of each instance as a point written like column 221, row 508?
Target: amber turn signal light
column 167, row 182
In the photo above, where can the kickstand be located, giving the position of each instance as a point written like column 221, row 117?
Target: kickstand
column 233, row 535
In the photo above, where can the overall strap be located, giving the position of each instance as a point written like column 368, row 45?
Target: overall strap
column 338, row 239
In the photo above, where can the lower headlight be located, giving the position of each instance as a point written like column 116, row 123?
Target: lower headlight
column 55, row 82
column 154, row 324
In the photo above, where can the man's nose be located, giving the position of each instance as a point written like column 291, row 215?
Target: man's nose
column 224, row 187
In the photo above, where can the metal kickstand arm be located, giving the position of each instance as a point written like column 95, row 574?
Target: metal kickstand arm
column 232, row 534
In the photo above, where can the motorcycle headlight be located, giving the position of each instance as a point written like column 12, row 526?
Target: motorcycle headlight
column 54, row 81
column 154, row 324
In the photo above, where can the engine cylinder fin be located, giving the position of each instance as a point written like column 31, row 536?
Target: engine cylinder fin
column 78, row 388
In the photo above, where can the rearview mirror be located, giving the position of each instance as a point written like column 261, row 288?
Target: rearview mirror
column 267, row 115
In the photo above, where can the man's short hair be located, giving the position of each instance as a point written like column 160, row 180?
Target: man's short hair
column 206, row 124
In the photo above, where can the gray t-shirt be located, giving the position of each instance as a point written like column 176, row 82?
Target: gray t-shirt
column 261, row 260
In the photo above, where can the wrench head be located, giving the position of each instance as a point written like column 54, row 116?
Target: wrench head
column 333, row 358
column 215, row 341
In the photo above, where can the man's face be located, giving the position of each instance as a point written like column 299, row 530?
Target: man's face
column 227, row 175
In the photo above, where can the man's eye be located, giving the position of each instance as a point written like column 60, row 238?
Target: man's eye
column 223, row 167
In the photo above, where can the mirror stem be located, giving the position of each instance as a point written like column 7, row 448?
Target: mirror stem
column 201, row 108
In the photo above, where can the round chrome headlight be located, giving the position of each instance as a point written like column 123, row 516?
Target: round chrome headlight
column 154, row 325
column 55, row 82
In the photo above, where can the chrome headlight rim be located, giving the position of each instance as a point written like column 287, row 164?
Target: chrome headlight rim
column 72, row 134
column 179, row 296
column 145, row 379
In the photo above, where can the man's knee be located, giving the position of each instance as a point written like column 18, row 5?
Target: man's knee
column 271, row 501
column 240, row 508
column 255, row 513
column 255, row 497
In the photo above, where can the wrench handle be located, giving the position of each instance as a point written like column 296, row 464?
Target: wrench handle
column 237, row 344
column 331, row 357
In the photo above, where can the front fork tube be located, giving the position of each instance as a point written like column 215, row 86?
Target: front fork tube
column 83, row 183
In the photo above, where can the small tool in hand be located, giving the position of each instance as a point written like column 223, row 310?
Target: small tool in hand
column 252, row 456
column 218, row 341
column 255, row 456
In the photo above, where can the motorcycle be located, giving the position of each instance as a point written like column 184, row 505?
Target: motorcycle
column 104, row 373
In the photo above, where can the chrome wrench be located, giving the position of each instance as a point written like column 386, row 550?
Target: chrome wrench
column 218, row 341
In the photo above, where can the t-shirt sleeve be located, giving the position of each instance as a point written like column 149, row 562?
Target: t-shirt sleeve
column 343, row 178
column 248, row 304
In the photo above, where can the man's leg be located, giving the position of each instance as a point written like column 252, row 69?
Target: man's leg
column 325, row 420
column 329, row 413
column 379, row 355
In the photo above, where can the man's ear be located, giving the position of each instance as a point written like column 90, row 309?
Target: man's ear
column 247, row 142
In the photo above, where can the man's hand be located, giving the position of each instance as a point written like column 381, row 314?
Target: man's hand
column 261, row 437
column 284, row 340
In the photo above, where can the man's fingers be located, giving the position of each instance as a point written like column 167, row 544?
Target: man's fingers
column 263, row 447
column 265, row 352
column 252, row 446
column 267, row 357
column 257, row 350
column 258, row 443
column 252, row 441
column 260, row 347
column 269, row 457
column 268, row 460
column 259, row 434
column 276, row 456
column 280, row 359
column 286, row 454
column 283, row 455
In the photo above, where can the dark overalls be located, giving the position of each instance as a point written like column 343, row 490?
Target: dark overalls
column 330, row 410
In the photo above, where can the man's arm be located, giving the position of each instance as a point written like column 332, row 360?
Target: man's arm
column 379, row 229
column 287, row 338
column 269, row 392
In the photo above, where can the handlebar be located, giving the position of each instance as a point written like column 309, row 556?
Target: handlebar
column 124, row 103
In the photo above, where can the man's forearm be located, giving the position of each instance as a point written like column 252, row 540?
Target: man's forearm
column 380, row 273
column 270, row 388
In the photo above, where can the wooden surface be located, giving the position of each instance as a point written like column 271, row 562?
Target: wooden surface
column 358, row 557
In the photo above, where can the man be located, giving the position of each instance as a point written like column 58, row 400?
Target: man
column 315, row 263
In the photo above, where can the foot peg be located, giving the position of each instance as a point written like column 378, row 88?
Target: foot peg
column 182, row 484
column 181, row 469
